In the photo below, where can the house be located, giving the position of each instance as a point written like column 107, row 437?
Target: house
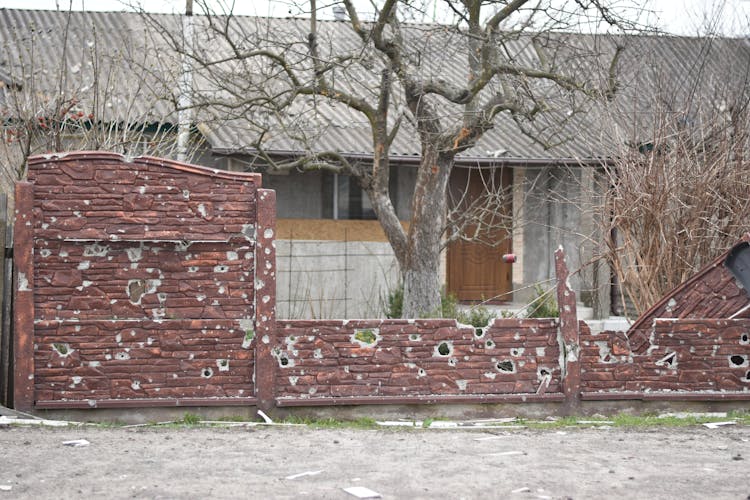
column 112, row 81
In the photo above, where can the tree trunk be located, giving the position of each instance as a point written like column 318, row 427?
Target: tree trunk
column 421, row 267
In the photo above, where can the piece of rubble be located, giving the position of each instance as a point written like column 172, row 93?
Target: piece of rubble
column 506, row 454
column 716, row 425
column 362, row 492
column 706, row 414
column 76, row 443
column 306, row 473
column 265, row 417
column 34, row 421
column 397, row 423
column 490, row 438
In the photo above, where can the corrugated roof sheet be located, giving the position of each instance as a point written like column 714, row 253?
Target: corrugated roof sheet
column 118, row 66
column 113, row 65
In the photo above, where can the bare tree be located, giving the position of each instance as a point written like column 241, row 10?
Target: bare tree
column 280, row 82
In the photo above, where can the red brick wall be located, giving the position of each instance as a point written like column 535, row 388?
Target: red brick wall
column 682, row 355
column 321, row 359
column 143, row 279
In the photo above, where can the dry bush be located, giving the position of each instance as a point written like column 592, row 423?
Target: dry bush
column 677, row 202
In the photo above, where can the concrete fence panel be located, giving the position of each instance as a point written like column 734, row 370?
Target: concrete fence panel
column 136, row 283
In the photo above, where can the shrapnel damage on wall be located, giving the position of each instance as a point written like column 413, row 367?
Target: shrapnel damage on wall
column 136, row 280
column 146, row 282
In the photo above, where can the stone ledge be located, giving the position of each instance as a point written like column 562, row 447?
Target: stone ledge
column 143, row 403
column 666, row 396
column 400, row 400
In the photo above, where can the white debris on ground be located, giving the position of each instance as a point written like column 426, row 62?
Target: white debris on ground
column 303, row 474
column 76, row 443
column 362, row 492
column 5, row 420
column 494, row 423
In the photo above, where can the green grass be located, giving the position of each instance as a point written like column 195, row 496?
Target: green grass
column 643, row 421
column 635, row 421
column 190, row 419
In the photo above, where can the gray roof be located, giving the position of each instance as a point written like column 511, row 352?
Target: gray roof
column 113, row 65
column 137, row 75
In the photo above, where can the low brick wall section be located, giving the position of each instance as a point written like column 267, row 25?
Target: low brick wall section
column 397, row 358
column 712, row 293
column 699, row 356
column 93, row 360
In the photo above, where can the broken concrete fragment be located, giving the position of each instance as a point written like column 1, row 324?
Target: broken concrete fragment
column 306, row 473
column 76, row 443
column 507, row 453
column 265, row 417
column 716, row 425
column 4, row 420
column 362, row 492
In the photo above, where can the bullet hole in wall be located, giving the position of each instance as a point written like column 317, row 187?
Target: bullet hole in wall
column 670, row 360
column 506, row 366
column 737, row 360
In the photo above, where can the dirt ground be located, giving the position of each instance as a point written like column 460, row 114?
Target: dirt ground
column 200, row 462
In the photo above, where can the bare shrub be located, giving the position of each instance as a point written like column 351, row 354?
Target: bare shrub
column 678, row 201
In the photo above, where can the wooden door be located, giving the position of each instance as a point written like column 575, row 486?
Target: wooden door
column 476, row 271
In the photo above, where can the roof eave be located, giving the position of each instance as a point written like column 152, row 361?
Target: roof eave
column 461, row 161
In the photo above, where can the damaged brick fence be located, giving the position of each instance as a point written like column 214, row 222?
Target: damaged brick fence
column 404, row 361
column 140, row 282
column 147, row 282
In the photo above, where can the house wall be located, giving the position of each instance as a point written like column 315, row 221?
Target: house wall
column 324, row 265
column 300, row 196
column 553, row 209
column 331, row 268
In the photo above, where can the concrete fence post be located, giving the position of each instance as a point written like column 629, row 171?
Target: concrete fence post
column 23, row 298
column 568, row 335
column 265, row 299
